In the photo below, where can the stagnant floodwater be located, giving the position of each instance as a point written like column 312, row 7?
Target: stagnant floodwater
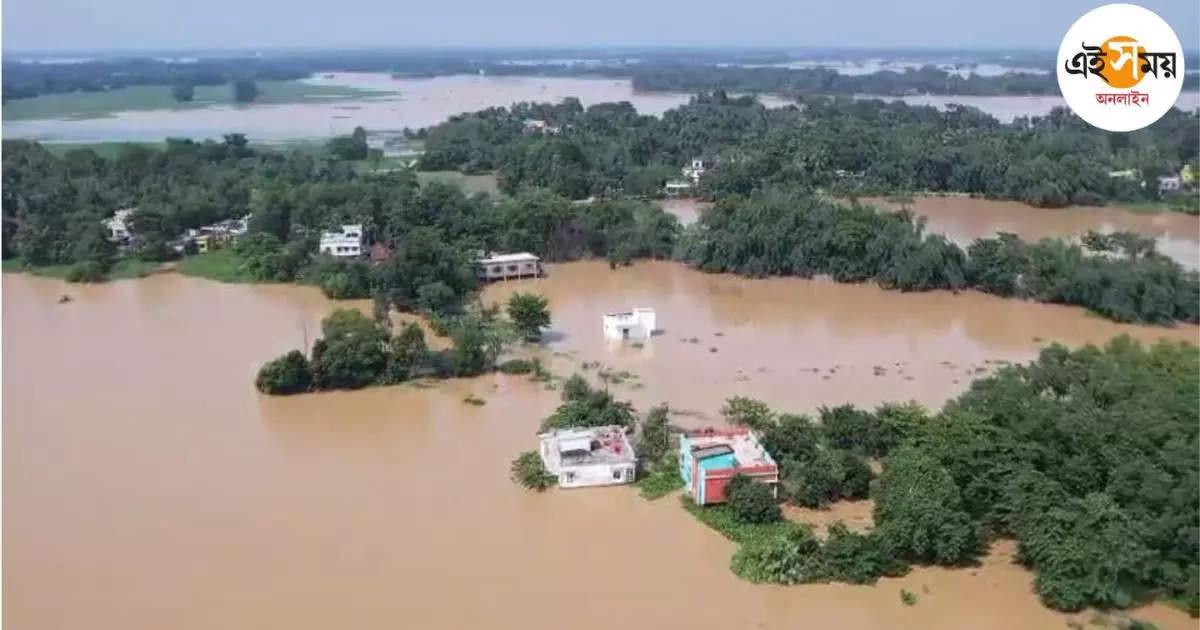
column 146, row 483
column 964, row 219
column 412, row 103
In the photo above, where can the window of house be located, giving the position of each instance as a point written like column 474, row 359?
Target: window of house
column 616, row 475
column 568, row 477
column 512, row 267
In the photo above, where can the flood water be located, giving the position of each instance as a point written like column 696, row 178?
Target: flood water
column 401, row 103
column 1006, row 108
column 964, row 219
column 147, row 484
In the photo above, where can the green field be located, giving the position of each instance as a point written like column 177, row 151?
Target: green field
column 470, row 184
column 100, row 104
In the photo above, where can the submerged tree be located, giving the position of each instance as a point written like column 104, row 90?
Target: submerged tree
column 529, row 314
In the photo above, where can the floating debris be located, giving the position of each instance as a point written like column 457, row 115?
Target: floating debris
column 908, row 378
column 712, row 349
column 826, row 377
column 64, row 298
column 718, row 334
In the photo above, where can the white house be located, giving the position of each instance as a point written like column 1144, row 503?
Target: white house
column 118, row 225
column 346, row 243
column 594, row 456
column 504, row 266
column 694, row 171
column 1169, row 184
column 639, row 323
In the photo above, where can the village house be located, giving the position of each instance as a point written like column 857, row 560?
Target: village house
column 1169, row 184
column 593, row 456
column 219, row 234
column 504, row 266
column 347, row 242
column 539, row 126
column 118, row 225
column 708, row 459
column 694, row 171
column 640, row 323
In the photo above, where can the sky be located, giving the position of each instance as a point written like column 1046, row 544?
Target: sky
column 82, row 25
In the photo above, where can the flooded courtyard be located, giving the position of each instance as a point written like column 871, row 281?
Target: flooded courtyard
column 147, row 484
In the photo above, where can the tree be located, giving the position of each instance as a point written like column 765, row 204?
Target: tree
column 586, row 407
column 407, row 353
column 529, row 314
column 351, row 354
column 351, row 147
column 182, row 92
column 528, row 471
column 747, row 412
column 919, row 513
column 751, row 502
column 244, row 90
column 654, row 442
column 289, row 374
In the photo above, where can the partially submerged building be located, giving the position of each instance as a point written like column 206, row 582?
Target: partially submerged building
column 640, row 323
column 504, row 266
column 593, row 456
column 118, row 225
column 347, row 242
column 708, row 459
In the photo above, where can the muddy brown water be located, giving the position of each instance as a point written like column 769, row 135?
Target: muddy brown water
column 147, row 485
column 964, row 219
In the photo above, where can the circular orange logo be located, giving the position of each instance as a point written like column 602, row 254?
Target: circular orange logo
column 1122, row 66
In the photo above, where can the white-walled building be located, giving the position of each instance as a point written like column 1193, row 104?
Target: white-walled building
column 118, row 225
column 346, row 243
column 694, row 171
column 640, row 323
column 504, row 266
column 595, row 456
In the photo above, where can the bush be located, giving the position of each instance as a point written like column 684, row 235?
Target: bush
column 516, row 366
column 527, row 469
column 654, row 441
column 792, row 558
column 751, row 502
column 289, row 374
column 88, row 271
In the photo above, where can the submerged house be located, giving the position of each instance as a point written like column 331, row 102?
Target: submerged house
column 592, row 456
column 708, row 459
column 505, row 266
column 640, row 323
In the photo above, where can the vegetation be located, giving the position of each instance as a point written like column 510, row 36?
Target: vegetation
column 1086, row 457
column 783, row 232
column 841, row 145
column 583, row 406
column 528, row 471
column 244, row 90
column 751, row 502
column 529, row 314
column 356, row 352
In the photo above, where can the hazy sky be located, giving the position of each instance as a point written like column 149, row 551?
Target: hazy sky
column 176, row 24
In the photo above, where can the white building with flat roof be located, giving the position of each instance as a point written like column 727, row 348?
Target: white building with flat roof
column 503, row 266
column 593, row 456
column 118, row 225
column 345, row 243
column 640, row 323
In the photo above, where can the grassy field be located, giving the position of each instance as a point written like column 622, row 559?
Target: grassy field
column 99, row 104
column 221, row 265
column 470, row 184
column 123, row 269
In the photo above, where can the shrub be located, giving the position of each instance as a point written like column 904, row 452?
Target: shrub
column 516, row 366
column 527, row 469
column 289, row 374
column 751, row 502
column 88, row 271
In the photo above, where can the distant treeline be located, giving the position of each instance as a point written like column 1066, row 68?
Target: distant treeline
column 785, row 81
column 650, row 69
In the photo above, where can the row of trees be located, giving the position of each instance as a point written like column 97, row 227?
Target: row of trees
column 841, row 144
column 788, row 232
column 1086, row 457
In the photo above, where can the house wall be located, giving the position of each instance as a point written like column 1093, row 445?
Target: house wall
column 714, row 481
column 595, row 475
